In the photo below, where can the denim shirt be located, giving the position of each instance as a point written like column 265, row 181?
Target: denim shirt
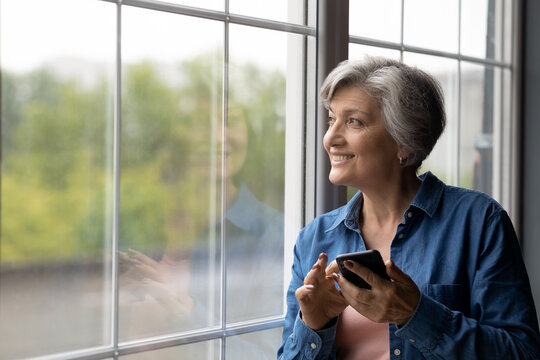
column 461, row 250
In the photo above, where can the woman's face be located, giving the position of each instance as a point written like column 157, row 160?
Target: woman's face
column 360, row 149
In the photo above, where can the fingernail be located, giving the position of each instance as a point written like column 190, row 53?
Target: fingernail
column 348, row 264
column 321, row 255
column 309, row 286
column 336, row 277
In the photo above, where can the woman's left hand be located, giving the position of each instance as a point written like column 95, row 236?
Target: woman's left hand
column 387, row 301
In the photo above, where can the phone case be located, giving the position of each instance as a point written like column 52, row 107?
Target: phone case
column 371, row 259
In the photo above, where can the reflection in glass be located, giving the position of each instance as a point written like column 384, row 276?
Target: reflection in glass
column 432, row 24
column 379, row 19
column 358, row 52
column 254, row 230
column 442, row 158
column 291, row 11
column 208, row 350
column 257, row 345
column 171, row 173
column 56, row 123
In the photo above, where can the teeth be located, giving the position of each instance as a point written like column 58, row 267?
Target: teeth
column 342, row 157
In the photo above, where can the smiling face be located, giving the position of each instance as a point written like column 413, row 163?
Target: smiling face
column 361, row 151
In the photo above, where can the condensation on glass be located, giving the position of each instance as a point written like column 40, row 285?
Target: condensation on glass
column 56, row 186
column 170, row 190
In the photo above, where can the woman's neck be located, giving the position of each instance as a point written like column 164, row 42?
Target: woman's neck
column 385, row 204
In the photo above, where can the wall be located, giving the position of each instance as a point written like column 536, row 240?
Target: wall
column 530, row 225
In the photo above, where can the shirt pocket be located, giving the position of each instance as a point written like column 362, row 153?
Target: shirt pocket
column 454, row 296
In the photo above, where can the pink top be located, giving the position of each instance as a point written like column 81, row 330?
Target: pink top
column 358, row 338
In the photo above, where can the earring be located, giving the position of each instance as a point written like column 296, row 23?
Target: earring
column 402, row 161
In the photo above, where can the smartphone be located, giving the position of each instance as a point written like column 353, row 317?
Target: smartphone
column 371, row 259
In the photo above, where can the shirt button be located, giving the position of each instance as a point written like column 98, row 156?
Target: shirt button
column 409, row 214
column 400, row 236
column 397, row 352
column 412, row 340
column 313, row 345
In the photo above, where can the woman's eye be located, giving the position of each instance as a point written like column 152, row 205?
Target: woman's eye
column 355, row 122
column 331, row 121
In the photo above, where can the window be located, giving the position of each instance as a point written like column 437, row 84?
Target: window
column 156, row 160
column 467, row 46
column 143, row 176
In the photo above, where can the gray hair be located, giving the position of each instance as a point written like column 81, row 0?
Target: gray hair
column 411, row 101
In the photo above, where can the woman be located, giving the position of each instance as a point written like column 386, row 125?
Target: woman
column 458, row 287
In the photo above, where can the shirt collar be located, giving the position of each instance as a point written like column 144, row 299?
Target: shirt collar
column 429, row 194
column 426, row 199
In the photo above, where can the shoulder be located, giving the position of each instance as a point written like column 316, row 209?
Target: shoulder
column 470, row 201
column 317, row 229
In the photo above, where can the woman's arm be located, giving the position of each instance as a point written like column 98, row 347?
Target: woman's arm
column 317, row 296
column 503, row 321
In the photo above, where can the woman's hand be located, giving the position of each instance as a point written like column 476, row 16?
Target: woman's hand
column 387, row 301
column 319, row 299
column 142, row 276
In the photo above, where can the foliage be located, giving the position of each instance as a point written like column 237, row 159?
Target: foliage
column 57, row 157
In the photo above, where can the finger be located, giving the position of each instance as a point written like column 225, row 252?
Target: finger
column 332, row 268
column 396, row 273
column 349, row 291
column 317, row 270
column 134, row 254
column 365, row 273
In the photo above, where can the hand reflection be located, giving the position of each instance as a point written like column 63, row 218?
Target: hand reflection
column 144, row 277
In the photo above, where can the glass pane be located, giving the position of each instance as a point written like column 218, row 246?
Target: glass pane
column 218, row 5
column 258, row 345
column 208, row 350
column 171, row 173
column 256, row 176
column 432, row 24
column 442, row 158
column 56, row 188
column 482, row 28
column 376, row 19
column 291, row 11
column 477, row 127
column 358, row 52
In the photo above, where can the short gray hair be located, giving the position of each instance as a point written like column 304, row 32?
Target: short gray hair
column 411, row 101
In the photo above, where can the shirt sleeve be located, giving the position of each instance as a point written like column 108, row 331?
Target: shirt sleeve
column 502, row 322
column 298, row 340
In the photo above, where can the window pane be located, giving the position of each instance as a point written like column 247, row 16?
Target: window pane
column 206, row 4
column 255, row 183
column 376, row 19
column 482, row 31
column 479, row 110
column 358, row 52
column 442, row 159
column 291, row 11
column 56, row 186
column 432, row 24
column 208, row 350
column 257, row 345
column 171, row 173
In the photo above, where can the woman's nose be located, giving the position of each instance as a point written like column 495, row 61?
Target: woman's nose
column 334, row 134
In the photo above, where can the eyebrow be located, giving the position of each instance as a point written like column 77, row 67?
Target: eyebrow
column 350, row 111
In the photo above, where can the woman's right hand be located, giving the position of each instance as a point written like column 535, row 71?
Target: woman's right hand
column 320, row 301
